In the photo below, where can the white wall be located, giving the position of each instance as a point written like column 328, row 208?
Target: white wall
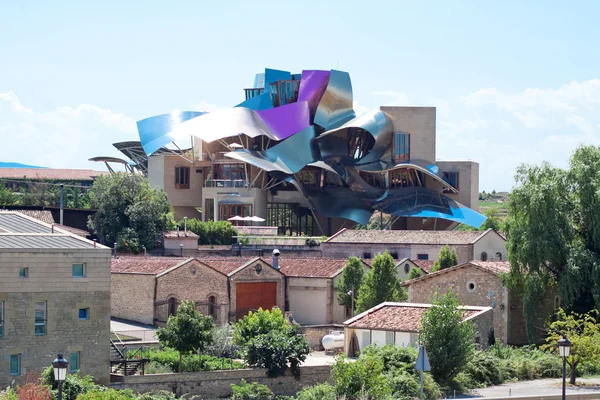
column 491, row 243
column 308, row 300
column 403, row 339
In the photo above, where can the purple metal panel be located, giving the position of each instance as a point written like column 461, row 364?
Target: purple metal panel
column 286, row 120
column 312, row 87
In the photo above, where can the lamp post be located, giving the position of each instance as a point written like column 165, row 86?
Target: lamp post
column 60, row 372
column 351, row 294
column 564, row 348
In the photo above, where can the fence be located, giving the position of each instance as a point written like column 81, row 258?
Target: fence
column 141, row 335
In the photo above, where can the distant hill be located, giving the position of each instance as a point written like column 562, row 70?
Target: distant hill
column 495, row 200
column 16, row 165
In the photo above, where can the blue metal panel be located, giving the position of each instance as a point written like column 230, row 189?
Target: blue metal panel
column 335, row 107
column 260, row 102
column 154, row 131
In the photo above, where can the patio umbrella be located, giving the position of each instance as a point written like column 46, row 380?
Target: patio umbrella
column 255, row 219
column 236, row 218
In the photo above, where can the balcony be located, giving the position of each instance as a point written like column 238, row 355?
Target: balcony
column 250, row 93
column 227, row 183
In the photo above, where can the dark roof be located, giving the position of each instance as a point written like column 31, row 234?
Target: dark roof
column 405, row 237
column 51, row 174
column 311, row 267
column 400, row 317
column 145, row 265
column 493, row 267
column 425, row 265
column 180, row 234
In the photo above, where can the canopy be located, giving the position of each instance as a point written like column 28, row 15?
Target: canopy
column 237, row 218
column 255, row 219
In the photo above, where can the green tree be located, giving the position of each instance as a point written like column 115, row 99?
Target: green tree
column 211, row 232
column 415, row 273
column 7, row 197
column 187, row 331
column 258, row 323
column 553, row 236
column 250, row 391
column 351, row 280
column 583, row 333
column 364, row 378
column 446, row 259
column 380, row 284
column 129, row 210
column 447, row 338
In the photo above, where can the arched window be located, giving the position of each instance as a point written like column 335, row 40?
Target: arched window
column 484, row 256
column 173, row 304
column 406, row 268
column 499, row 256
column 212, row 306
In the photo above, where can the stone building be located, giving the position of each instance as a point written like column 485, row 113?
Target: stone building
column 478, row 283
column 399, row 323
column 415, row 245
column 54, row 298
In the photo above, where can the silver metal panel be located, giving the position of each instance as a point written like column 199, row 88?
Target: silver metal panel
column 335, row 107
column 50, row 241
column 16, row 223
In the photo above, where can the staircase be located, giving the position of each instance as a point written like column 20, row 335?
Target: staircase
column 120, row 365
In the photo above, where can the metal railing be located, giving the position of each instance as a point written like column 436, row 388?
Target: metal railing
column 227, row 183
column 141, row 335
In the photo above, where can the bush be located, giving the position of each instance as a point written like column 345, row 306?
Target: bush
column 169, row 358
column 74, row 384
column 158, row 395
column 107, row 394
column 250, row 391
column 9, row 394
column 222, row 343
column 362, row 378
column 210, row 232
column 154, row 367
column 258, row 323
column 322, row 391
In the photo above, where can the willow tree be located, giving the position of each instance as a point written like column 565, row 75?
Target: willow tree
column 553, row 233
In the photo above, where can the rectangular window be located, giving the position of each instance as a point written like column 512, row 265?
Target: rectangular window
column 401, row 147
column 1, row 318
column 422, row 256
column 182, row 177
column 389, row 337
column 15, row 364
column 84, row 313
column 366, row 256
column 74, row 362
column 40, row 317
column 227, row 211
column 23, row 272
column 394, row 255
column 78, row 270
column 209, row 209
column 452, row 179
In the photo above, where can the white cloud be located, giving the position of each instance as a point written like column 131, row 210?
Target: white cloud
column 63, row 138
column 396, row 98
column 360, row 109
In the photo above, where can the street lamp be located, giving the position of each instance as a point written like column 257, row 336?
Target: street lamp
column 351, row 294
column 564, row 348
column 60, row 372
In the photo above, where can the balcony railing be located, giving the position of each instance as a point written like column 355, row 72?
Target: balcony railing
column 227, row 183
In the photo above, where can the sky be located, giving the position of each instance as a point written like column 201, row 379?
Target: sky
column 513, row 82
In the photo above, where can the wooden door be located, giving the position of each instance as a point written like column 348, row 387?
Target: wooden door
column 254, row 295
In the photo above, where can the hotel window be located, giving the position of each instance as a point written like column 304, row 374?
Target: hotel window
column 227, row 211
column 40, row 318
column 74, row 362
column 78, row 270
column 23, row 272
column 422, row 256
column 452, row 179
column 1, row 318
column 84, row 313
column 15, row 364
column 401, row 147
column 182, row 177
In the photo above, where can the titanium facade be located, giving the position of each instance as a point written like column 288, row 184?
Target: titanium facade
column 296, row 140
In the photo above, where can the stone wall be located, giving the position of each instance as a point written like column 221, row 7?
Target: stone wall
column 315, row 333
column 217, row 384
column 458, row 280
column 132, row 297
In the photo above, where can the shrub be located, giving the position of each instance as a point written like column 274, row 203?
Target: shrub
column 158, row 395
column 169, row 360
column 250, row 391
column 154, row 367
column 210, row 232
column 322, row 391
column 107, row 394
column 34, row 391
column 222, row 343
column 74, row 384
column 364, row 377
column 258, row 323
column 9, row 394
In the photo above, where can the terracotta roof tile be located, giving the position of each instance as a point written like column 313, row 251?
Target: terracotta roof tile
column 494, row 267
column 398, row 317
column 180, row 234
column 144, row 265
column 425, row 265
column 311, row 267
column 51, row 174
column 404, row 237
column 226, row 265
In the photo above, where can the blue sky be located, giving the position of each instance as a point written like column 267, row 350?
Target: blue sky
column 513, row 81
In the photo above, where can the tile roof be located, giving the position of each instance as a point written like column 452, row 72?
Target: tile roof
column 144, row 265
column 493, row 267
column 399, row 317
column 180, row 234
column 51, row 174
column 405, row 237
column 425, row 265
column 226, row 265
column 311, row 267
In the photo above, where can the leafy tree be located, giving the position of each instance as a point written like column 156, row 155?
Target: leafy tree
column 493, row 220
column 364, row 378
column 126, row 201
column 414, row 273
column 250, row 391
column 211, row 232
column 276, row 349
column 258, row 323
column 583, row 333
column 7, row 197
column 380, row 284
column 351, row 279
column 553, row 236
column 446, row 259
column 187, row 331
column 447, row 338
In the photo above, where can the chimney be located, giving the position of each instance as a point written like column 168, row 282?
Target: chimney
column 95, row 240
column 275, row 259
column 115, row 250
column 52, row 228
